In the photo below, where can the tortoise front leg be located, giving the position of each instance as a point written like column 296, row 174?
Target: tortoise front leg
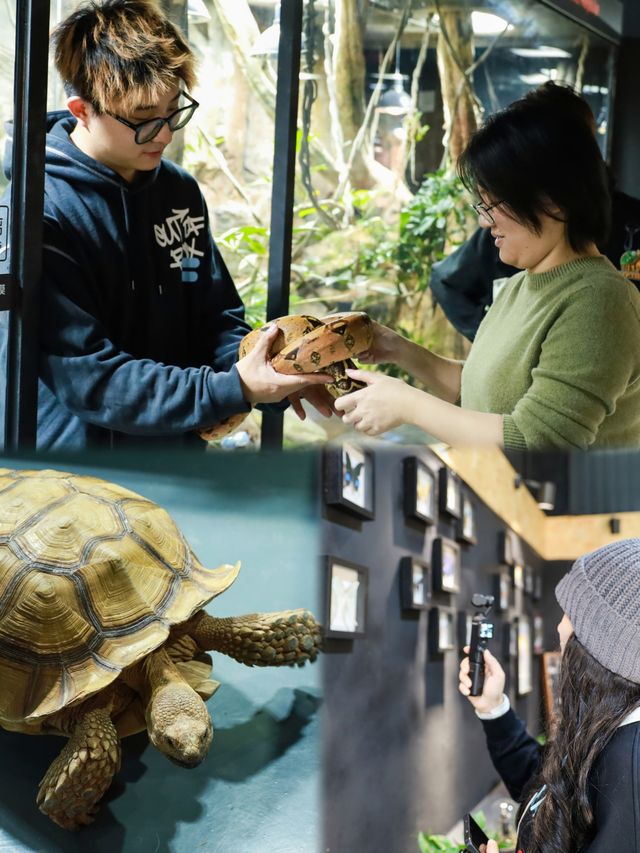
column 259, row 639
column 77, row 779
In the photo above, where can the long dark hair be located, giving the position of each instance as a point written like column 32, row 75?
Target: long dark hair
column 593, row 703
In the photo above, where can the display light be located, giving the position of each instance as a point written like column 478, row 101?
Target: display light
column 543, row 491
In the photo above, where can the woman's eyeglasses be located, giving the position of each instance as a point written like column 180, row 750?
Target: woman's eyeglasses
column 483, row 209
column 145, row 131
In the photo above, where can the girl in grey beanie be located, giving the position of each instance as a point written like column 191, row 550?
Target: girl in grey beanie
column 581, row 794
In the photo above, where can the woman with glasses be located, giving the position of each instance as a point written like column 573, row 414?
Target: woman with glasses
column 140, row 320
column 556, row 360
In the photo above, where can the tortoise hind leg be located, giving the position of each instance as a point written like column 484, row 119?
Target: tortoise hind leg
column 260, row 639
column 78, row 778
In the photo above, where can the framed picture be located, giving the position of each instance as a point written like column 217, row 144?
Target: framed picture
column 510, row 639
column 529, row 580
column 537, row 586
column 510, row 548
column 538, row 634
column 442, row 630
column 525, row 658
column 445, row 562
column 346, row 599
column 465, row 621
column 348, row 479
column 517, row 572
column 419, row 490
column 550, row 673
column 415, row 584
column 467, row 522
column 502, row 591
column 450, row 493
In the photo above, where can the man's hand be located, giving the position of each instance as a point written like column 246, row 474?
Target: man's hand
column 317, row 396
column 261, row 383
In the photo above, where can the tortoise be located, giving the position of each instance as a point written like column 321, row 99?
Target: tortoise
column 103, row 632
column 306, row 344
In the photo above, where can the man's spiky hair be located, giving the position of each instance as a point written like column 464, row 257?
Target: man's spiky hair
column 123, row 52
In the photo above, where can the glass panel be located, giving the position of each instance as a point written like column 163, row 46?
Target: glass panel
column 377, row 202
column 228, row 145
column 7, row 70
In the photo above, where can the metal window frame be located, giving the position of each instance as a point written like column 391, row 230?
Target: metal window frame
column 26, row 222
column 284, row 165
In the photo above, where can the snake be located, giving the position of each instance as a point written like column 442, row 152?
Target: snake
column 306, row 344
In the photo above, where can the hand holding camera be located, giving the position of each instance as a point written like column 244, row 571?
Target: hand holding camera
column 482, row 678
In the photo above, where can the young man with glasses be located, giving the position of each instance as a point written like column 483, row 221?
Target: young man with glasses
column 140, row 320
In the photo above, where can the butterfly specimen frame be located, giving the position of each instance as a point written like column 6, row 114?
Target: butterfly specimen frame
column 419, row 490
column 349, row 479
column 415, row 584
column 450, row 493
column 345, row 599
column 445, row 564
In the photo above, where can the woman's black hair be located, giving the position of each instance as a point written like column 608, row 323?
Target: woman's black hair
column 593, row 701
column 540, row 155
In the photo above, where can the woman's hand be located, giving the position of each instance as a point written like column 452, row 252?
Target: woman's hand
column 493, row 689
column 377, row 408
column 261, row 383
column 490, row 847
column 385, row 346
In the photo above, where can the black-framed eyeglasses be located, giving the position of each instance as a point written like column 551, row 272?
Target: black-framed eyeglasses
column 483, row 209
column 145, row 131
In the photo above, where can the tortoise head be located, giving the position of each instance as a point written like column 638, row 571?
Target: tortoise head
column 179, row 724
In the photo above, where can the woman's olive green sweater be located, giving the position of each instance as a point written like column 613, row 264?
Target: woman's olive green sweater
column 558, row 354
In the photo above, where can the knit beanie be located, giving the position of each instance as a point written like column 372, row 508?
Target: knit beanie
column 601, row 596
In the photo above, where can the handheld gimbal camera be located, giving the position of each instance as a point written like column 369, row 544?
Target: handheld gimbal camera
column 481, row 633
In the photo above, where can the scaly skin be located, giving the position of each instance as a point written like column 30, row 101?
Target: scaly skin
column 77, row 779
column 259, row 639
column 307, row 345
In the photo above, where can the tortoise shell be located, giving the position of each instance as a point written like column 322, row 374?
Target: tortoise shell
column 92, row 577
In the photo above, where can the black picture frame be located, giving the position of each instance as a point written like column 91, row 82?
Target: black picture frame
column 510, row 639
column 345, row 609
column 538, row 634
column 524, row 660
column 420, row 490
column 465, row 621
column 442, row 630
column 415, row 594
column 517, row 574
column 510, row 548
column 529, row 580
column 449, row 493
column 446, row 565
column 537, row 586
column 502, row 591
column 467, row 524
column 349, row 479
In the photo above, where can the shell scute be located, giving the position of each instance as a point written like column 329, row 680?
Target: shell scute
column 92, row 577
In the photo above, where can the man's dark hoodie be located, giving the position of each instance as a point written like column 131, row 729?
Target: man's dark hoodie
column 139, row 319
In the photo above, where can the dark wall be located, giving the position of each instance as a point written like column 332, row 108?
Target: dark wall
column 403, row 749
